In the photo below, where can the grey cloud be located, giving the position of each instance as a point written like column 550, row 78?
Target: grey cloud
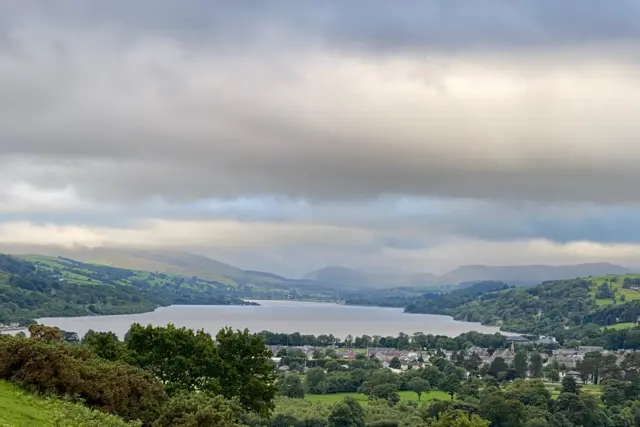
column 369, row 24
column 157, row 117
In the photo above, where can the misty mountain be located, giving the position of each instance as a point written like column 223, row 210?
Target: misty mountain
column 187, row 264
column 468, row 274
column 528, row 274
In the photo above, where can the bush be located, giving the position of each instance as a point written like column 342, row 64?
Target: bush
column 199, row 410
column 55, row 368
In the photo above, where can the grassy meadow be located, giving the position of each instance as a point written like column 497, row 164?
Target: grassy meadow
column 405, row 396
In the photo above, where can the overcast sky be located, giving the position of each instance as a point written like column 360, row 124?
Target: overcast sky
column 289, row 135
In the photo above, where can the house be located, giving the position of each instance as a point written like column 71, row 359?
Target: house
column 477, row 350
column 543, row 340
column 517, row 339
column 584, row 349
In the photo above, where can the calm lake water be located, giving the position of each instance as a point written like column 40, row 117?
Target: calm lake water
column 278, row 316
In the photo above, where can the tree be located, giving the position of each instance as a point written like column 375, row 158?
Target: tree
column 395, row 363
column 332, row 366
column 451, row 384
column 45, row 333
column 347, row 413
column 315, row 377
column 199, row 410
column 104, row 344
column 458, row 419
column 520, row 364
column 570, row 385
column 182, row 359
column 418, row 386
column 535, row 368
column 246, row 370
column 531, row 393
column 502, row 412
column 386, row 391
column 291, row 386
column 237, row 365
column 613, row 392
column 498, row 365
column 349, row 340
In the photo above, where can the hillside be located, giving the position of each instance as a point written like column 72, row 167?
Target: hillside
column 39, row 286
column 554, row 307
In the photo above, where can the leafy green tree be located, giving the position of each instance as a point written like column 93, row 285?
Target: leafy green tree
column 498, row 365
column 613, row 392
column 291, row 386
column 347, row 413
column 570, row 385
column 418, row 386
column 536, row 368
column 315, row 377
column 332, row 366
column 502, row 412
column 45, row 333
column 104, row 344
column 246, row 370
column 388, row 392
column 581, row 410
column 199, row 410
column 395, row 363
column 458, row 419
column 529, row 392
column 451, row 384
column 520, row 364
column 182, row 359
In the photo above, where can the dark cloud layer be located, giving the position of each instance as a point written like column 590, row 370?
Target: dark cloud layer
column 370, row 24
column 399, row 126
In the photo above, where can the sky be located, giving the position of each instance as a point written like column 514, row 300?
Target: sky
column 286, row 136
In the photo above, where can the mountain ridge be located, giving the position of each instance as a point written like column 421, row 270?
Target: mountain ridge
column 187, row 264
column 473, row 273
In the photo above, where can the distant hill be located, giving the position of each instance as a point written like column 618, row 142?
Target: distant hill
column 528, row 274
column 350, row 278
column 468, row 274
column 187, row 264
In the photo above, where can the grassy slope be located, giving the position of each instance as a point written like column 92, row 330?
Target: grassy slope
column 629, row 294
column 19, row 408
column 80, row 276
column 163, row 261
column 261, row 284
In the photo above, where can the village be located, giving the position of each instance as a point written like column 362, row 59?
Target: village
column 567, row 359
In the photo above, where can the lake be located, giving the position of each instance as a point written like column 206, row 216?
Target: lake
column 278, row 316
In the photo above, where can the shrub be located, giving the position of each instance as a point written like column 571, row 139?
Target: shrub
column 59, row 369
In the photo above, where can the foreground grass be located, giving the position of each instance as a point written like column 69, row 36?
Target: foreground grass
column 19, row 408
column 405, row 396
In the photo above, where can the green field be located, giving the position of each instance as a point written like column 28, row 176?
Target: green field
column 629, row 294
column 594, row 390
column 619, row 326
column 405, row 396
